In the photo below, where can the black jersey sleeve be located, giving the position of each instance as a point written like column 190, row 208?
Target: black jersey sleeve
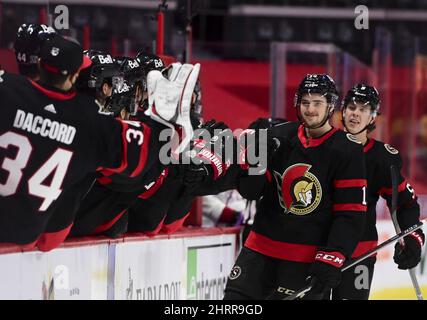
column 130, row 151
column 408, row 209
column 348, row 200
column 252, row 186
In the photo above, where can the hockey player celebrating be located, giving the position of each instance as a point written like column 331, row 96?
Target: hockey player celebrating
column 360, row 108
column 53, row 138
column 159, row 204
column 311, row 210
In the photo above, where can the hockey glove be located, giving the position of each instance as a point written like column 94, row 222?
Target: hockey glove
column 325, row 273
column 409, row 255
column 169, row 99
column 207, row 158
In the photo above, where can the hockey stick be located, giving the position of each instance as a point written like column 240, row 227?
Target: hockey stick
column 397, row 237
column 394, row 197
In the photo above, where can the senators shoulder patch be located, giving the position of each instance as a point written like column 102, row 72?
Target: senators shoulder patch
column 352, row 138
column 390, row 149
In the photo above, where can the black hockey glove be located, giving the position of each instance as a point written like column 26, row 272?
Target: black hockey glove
column 408, row 256
column 324, row 273
column 207, row 158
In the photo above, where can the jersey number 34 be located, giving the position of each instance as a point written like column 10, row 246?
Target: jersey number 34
column 57, row 164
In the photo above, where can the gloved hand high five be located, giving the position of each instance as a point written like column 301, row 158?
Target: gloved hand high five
column 208, row 158
column 169, row 99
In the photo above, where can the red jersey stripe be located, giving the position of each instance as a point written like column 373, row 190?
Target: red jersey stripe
column 363, row 247
column 349, row 207
column 105, row 226
column 159, row 182
column 109, row 171
column 174, row 226
column 51, row 240
column 53, row 94
column 313, row 142
column 389, row 191
column 144, row 152
column 154, row 232
column 281, row 250
column 369, row 145
column 350, row 183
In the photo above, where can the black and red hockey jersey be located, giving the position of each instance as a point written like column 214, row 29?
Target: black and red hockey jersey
column 314, row 196
column 379, row 158
column 52, row 143
column 107, row 202
column 164, row 210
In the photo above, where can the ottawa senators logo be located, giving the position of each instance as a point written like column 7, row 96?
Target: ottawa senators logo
column 299, row 190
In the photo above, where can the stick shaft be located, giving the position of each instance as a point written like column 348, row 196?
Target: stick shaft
column 395, row 195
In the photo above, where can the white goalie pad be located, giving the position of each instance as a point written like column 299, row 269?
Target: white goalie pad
column 169, row 99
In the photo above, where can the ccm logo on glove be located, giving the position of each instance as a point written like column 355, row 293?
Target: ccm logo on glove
column 335, row 259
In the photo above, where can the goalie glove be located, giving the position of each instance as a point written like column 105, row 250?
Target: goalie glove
column 169, row 99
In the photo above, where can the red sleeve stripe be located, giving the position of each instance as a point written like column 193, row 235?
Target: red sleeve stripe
column 269, row 176
column 175, row 225
column 144, row 151
column 107, row 225
column 389, row 191
column 153, row 189
column 51, row 240
column 363, row 247
column 349, row 207
column 152, row 233
column 108, row 171
column 350, row 183
column 104, row 180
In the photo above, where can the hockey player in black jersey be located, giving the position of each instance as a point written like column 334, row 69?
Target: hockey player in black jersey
column 360, row 108
column 97, row 80
column 311, row 211
column 160, row 204
column 52, row 138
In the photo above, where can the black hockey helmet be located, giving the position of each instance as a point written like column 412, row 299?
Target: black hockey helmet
column 123, row 97
column 317, row 83
column 365, row 95
column 131, row 69
column 321, row 84
column 29, row 39
column 102, row 70
column 150, row 62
